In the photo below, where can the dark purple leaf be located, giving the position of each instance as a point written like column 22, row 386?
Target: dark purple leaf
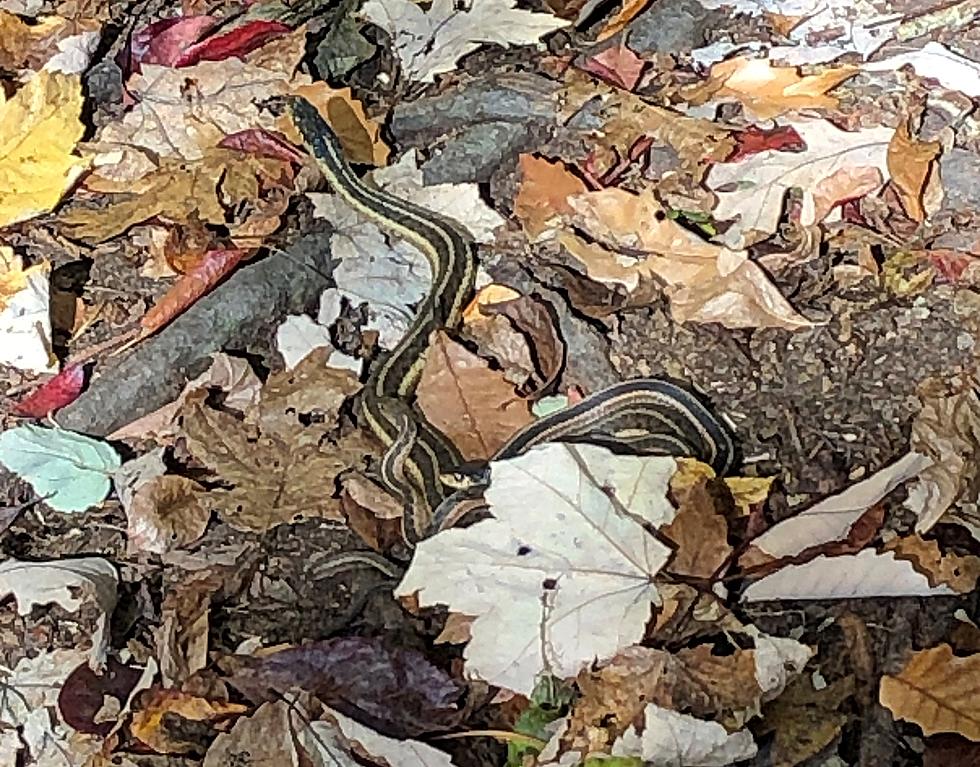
column 84, row 694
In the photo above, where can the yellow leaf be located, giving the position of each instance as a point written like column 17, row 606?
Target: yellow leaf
column 937, row 691
column 39, row 128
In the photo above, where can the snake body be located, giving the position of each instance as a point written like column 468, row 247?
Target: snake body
column 650, row 415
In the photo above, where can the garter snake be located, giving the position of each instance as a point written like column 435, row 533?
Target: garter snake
column 640, row 416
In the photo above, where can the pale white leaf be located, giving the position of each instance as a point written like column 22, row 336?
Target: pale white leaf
column 74, row 53
column 563, row 573
column 852, row 576
column 670, row 739
column 831, row 519
column 69, row 583
column 380, row 748
column 752, row 191
column 297, row 336
column 777, row 660
column 430, row 42
column 25, row 321
column 936, row 62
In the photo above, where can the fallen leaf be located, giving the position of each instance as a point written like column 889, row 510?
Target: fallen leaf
column 911, row 163
column 542, row 198
column 534, row 589
column 934, row 61
column 70, row 471
column 617, row 65
column 69, row 583
column 269, row 736
column 959, row 572
column 86, row 696
column 166, row 513
column 214, row 267
column 753, row 140
column 30, row 46
column 379, row 748
column 804, row 720
column 25, row 314
column 699, row 531
column 39, row 129
column 237, row 42
column 54, row 394
column 275, row 478
column 865, row 574
column 163, row 41
column 396, row 691
column 430, row 42
column 157, row 722
column 844, row 185
column 533, row 318
column 34, row 683
column 669, row 738
column 936, row 691
column 947, row 430
column 752, row 191
column 767, row 91
column 467, row 401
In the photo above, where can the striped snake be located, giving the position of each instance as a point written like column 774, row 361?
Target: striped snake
column 650, row 416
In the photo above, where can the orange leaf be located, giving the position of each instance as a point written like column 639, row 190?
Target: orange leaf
column 543, row 195
column 215, row 265
column 910, row 164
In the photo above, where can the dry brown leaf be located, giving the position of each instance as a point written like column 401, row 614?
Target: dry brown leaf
column 205, row 191
column 166, row 513
column 959, row 572
column 535, row 322
column 768, row 91
column 804, row 720
column 150, row 726
column 627, row 118
column 911, row 162
column 275, row 478
column 372, row 513
column 947, row 429
column 700, row 530
column 456, row 629
column 360, row 135
column 467, row 401
column 542, row 198
column 937, row 691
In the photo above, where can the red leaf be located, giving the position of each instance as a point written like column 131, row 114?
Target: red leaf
column 53, row 395
column 238, row 42
column 754, row 140
column 189, row 287
column 617, row 65
column 950, row 264
column 261, row 142
column 163, row 42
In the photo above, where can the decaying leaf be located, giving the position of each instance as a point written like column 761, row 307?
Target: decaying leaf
column 936, row 691
column 157, row 721
column 275, row 478
column 39, row 129
column 805, row 720
column 467, row 401
column 429, row 42
column 166, row 513
column 543, row 601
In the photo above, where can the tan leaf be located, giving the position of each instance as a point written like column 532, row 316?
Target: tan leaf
column 275, row 478
column 910, row 162
column 371, row 512
column 542, row 197
column 699, row 530
column 534, row 321
column 360, row 135
column 768, row 91
column 843, row 185
column 166, row 513
column 937, row 691
column 467, row 401
column 960, row 572
column 456, row 630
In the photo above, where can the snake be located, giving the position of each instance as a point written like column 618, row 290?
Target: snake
column 644, row 416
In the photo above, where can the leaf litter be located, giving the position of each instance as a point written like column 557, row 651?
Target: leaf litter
column 776, row 208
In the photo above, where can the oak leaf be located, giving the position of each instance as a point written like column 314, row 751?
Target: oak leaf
column 937, row 691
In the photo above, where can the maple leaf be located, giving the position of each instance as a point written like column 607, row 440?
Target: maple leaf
column 39, row 129
column 936, row 691
column 752, row 191
column 542, row 600
column 430, row 42
column 274, row 478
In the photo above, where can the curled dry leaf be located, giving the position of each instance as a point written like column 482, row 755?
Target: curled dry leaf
column 617, row 65
column 166, row 513
column 467, row 401
column 936, row 691
column 534, row 320
column 497, row 337
column 911, row 163
column 54, row 394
